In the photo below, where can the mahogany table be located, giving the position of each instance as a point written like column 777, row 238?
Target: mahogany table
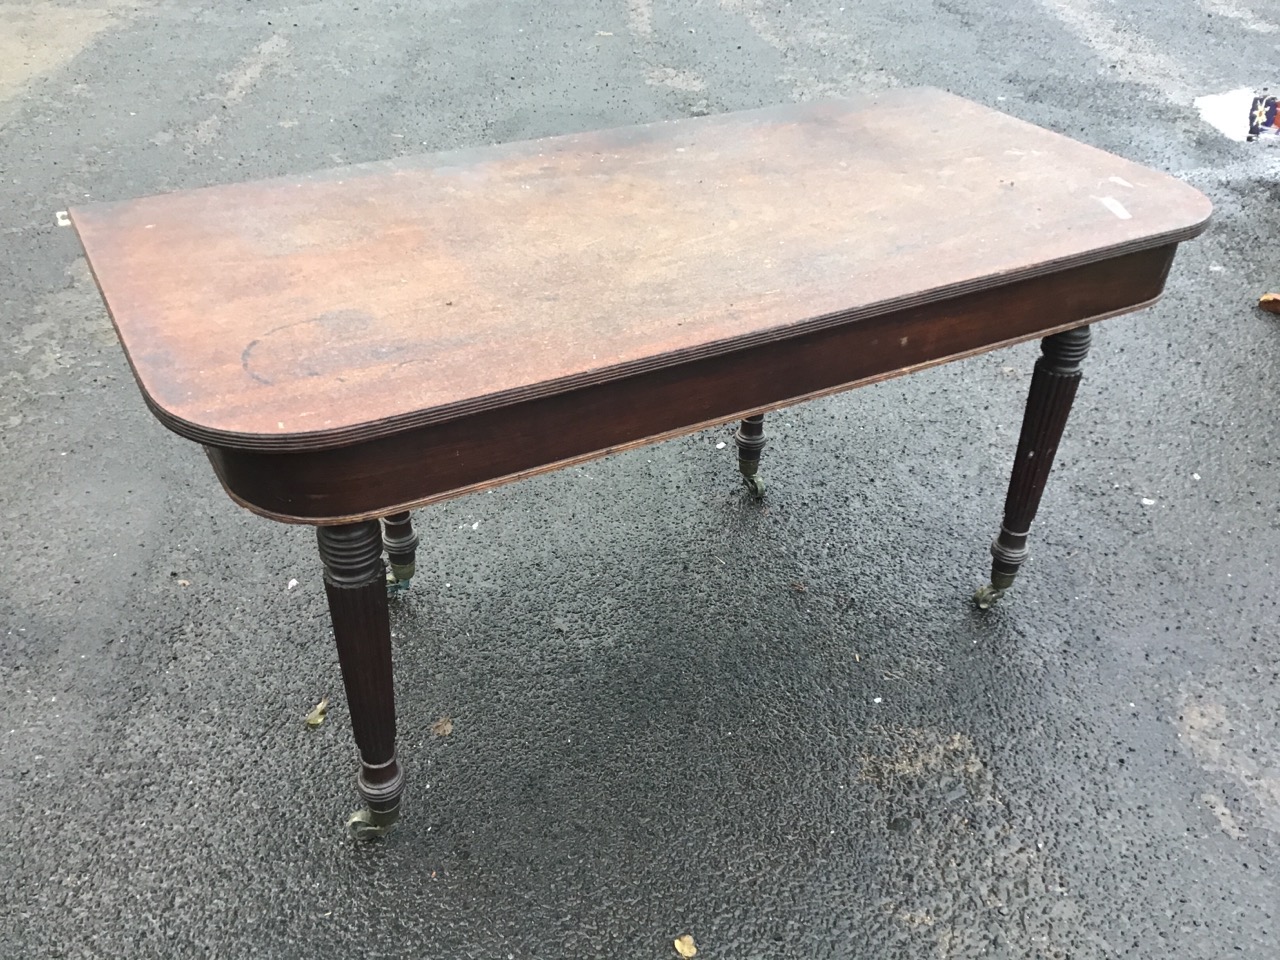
column 353, row 343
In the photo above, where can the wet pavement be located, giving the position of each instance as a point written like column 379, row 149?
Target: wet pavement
column 781, row 729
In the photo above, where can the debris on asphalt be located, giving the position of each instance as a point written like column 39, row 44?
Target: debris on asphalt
column 1264, row 117
column 184, row 583
column 62, row 219
column 292, row 584
column 316, row 716
column 1148, row 502
column 1270, row 302
column 442, row 727
column 1241, row 115
column 685, row 946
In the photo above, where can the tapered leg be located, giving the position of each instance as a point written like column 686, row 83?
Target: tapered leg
column 355, row 581
column 401, row 544
column 1053, row 388
column 750, row 441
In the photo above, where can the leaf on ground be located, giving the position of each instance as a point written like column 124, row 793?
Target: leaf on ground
column 442, row 727
column 685, row 946
column 1270, row 302
column 316, row 716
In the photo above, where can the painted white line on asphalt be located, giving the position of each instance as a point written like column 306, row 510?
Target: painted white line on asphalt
column 239, row 82
column 1134, row 57
column 750, row 10
column 1236, row 11
column 686, row 80
column 640, row 18
column 39, row 38
column 838, row 52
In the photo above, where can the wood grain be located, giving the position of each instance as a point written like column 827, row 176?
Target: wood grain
column 318, row 311
column 441, row 460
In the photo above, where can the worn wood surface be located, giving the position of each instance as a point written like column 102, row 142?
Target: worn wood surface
column 314, row 312
column 440, row 460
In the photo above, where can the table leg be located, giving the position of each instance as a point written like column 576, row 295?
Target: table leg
column 355, row 581
column 1053, row 388
column 401, row 544
column 750, row 441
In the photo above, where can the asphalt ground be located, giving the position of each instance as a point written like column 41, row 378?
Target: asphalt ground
column 782, row 730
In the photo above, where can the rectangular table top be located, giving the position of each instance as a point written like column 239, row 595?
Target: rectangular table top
column 309, row 312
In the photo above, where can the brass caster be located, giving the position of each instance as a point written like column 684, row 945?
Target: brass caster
column 367, row 824
column 395, row 585
column 986, row 596
column 755, row 487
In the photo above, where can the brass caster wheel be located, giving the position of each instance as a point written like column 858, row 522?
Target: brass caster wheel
column 367, row 824
column 396, row 585
column 986, row 596
column 755, row 487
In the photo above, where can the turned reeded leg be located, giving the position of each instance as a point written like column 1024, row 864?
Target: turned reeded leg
column 401, row 544
column 355, row 581
column 750, row 441
column 1053, row 388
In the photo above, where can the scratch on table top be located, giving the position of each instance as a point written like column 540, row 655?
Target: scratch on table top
column 1115, row 206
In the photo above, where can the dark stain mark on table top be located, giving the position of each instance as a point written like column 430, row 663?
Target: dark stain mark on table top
column 488, row 275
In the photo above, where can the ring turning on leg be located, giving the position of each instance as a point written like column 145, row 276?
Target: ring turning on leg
column 401, row 544
column 750, row 441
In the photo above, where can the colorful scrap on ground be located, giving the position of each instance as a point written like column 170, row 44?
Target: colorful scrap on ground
column 1264, row 117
